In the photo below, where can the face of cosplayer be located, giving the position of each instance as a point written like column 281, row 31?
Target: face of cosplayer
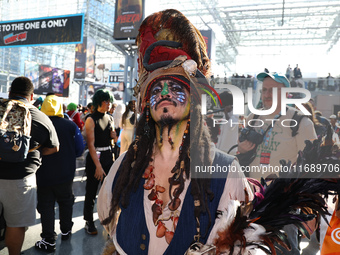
column 267, row 93
column 169, row 100
column 104, row 107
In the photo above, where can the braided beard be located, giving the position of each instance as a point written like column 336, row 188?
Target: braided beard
column 167, row 121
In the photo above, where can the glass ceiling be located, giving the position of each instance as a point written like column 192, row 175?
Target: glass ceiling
column 248, row 33
column 264, row 27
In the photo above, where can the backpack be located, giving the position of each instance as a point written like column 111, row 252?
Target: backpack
column 15, row 129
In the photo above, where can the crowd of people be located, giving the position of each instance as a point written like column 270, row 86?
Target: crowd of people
column 59, row 134
column 152, row 200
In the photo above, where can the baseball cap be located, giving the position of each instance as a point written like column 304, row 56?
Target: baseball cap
column 333, row 116
column 278, row 77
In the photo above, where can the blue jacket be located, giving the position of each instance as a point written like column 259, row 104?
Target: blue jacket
column 60, row 167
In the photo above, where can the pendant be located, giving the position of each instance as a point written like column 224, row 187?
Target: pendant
column 174, row 204
column 15, row 147
column 168, row 236
column 161, row 229
column 150, row 183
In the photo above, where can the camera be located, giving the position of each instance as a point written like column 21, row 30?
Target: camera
column 251, row 135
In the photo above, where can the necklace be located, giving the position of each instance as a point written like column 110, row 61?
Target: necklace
column 155, row 190
column 157, row 209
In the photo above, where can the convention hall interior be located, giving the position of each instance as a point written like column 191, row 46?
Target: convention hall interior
column 246, row 37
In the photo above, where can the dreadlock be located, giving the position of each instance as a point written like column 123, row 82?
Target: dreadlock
column 134, row 164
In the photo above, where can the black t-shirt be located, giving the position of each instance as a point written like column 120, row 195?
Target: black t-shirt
column 42, row 132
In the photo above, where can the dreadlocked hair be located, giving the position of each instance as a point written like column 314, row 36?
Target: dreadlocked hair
column 132, row 168
column 135, row 163
column 200, row 187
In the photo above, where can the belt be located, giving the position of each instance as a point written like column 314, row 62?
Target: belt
column 107, row 148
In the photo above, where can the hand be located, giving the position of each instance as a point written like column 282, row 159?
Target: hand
column 310, row 226
column 99, row 174
column 245, row 146
column 113, row 134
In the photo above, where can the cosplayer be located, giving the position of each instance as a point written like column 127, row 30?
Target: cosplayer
column 151, row 202
column 159, row 203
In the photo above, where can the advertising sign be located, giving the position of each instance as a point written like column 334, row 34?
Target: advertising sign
column 47, row 79
column 209, row 38
column 80, row 60
column 85, row 59
column 117, row 85
column 32, row 72
column 90, row 57
column 42, row 31
column 128, row 17
column 116, row 76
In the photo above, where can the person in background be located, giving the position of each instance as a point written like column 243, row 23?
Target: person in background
column 335, row 127
column 99, row 128
column 287, row 144
column 288, row 72
column 117, row 116
column 80, row 107
column 227, row 139
column 318, row 115
column 127, row 126
column 65, row 114
column 38, row 102
column 83, row 113
column 90, row 110
column 241, row 123
column 112, row 109
column 330, row 82
column 75, row 115
column 320, row 129
column 55, row 176
column 17, row 179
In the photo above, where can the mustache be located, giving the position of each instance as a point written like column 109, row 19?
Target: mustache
column 165, row 99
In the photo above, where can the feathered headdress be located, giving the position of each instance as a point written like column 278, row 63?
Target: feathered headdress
column 170, row 47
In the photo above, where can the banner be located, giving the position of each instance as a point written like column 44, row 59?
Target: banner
column 47, row 79
column 128, row 17
column 80, row 60
column 209, row 38
column 42, row 31
column 90, row 57
column 85, row 59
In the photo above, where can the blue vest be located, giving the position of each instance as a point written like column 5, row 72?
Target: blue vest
column 132, row 232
